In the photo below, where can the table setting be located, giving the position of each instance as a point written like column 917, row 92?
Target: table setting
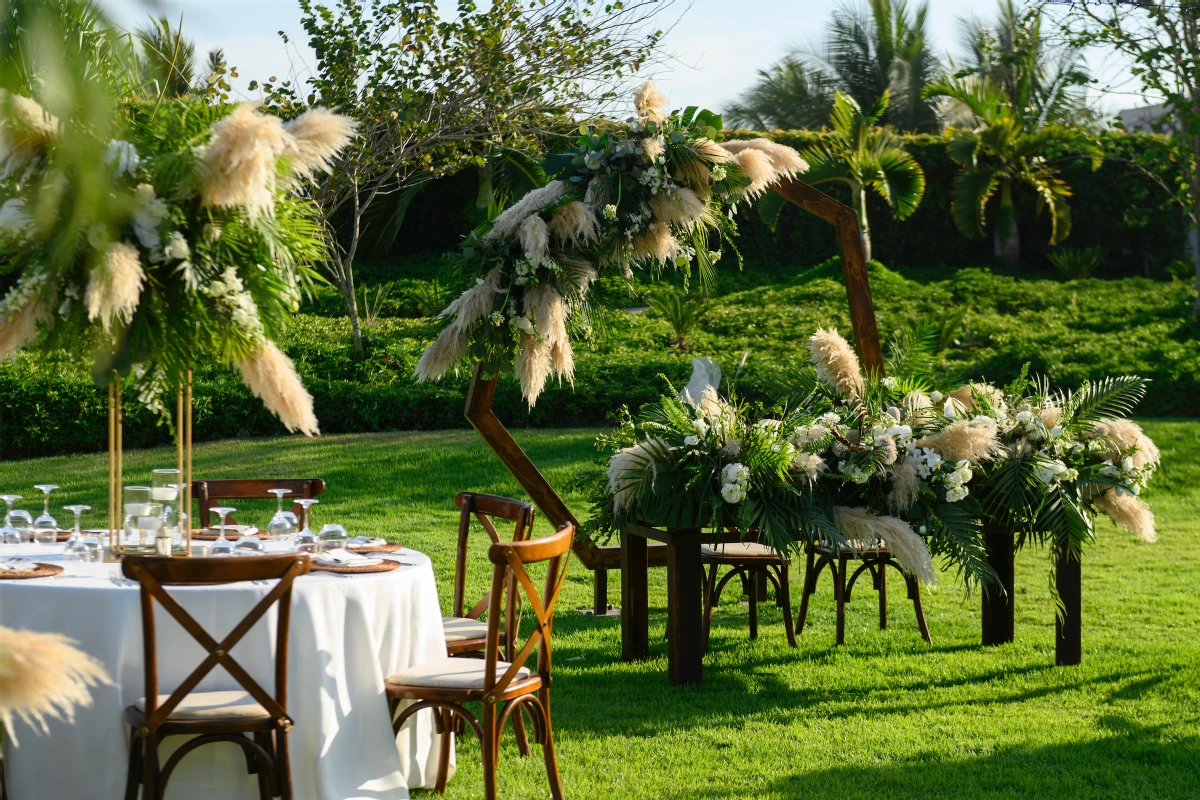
column 367, row 609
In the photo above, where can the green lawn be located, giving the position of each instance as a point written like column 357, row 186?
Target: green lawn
column 885, row 716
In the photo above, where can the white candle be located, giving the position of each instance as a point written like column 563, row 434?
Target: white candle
column 161, row 493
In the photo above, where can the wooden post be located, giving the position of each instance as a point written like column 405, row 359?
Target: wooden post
column 998, row 608
column 635, row 609
column 685, row 613
column 1068, row 628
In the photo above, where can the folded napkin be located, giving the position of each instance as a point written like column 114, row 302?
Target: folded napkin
column 344, row 558
column 366, row 541
column 14, row 565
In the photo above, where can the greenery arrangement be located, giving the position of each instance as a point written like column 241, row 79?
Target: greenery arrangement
column 652, row 194
column 857, row 459
column 168, row 235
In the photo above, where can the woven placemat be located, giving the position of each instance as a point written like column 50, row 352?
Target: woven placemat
column 384, row 566
column 42, row 571
column 212, row 534
column 390, row 547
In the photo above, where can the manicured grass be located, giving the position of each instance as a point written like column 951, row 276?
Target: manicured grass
column 885, row 716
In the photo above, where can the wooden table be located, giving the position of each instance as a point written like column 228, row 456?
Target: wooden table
column 685, row 597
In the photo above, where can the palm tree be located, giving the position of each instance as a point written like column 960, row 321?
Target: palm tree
column 1042, row 80
column 1002, row 150
column 168, row 62
column 868, row 51
column 863, row 155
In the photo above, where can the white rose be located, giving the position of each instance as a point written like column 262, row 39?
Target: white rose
column 733, row 493
column 691, row 441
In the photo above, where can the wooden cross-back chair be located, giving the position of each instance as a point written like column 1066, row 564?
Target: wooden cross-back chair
column 252, row 718
column 207, row 493
column 502, row 686
column 465, row 631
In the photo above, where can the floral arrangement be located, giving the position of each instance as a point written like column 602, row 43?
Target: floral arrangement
column 184, row 240
column 860, row 460
column 654, row 193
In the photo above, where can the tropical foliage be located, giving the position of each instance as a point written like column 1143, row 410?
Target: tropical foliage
column 882, row 48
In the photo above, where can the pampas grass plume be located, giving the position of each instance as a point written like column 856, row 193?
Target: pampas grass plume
column 1128, row 512
column 906, row 486
column 810, row 464
column 515, row 214
column 320, row 135
column 447, row 350
column 657, row 243
column 533, row 367
column 1125, row 434
column 534, row 235
column 836, row 362
column 271, row 376
column 44, row 676
column 20, row 327
column 966, row 394
column 26, row 132
column 681, row 208
column 757, row 169
column 784, row 159
column 906, row 547
column 241, row 159
column 963, row 440
column 115, row 286
column 574, row 224
column 650, row 102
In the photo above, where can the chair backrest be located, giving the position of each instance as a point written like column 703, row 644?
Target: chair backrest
column 483, row 507
column 509, row 560
column 207, row 493
column 155, row 572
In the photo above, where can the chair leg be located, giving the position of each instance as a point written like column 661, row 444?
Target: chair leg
column 519, row 730
column 785, row 601
column 810, row 581
column 840, row 594
column 263, row 740
column 600, row 592
column 753, row 595
column 710, row 583
column 149, row 767
column 133, row 777
column 883, row 597
column 283, row 766
column 444, row 751
column 489, row 747
column 914, row 591
column 556, row 790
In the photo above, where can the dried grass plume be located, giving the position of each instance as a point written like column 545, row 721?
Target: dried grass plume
column 683, row 207
column 963, row 440
column 44, row 676
column 906, row 486
column 1124, row 434
column 515, row 214
column 836, row 362
column 534, row 234
column 907, row 548
column 115, row 286
column 241, row 160
column 19, row 327
column 451, row 344
column 757, row 169
column 1128, row 512
column 271, row 376
column 574, row 224
column 25, row 133
column 320, row 135
column 784, row 159
column 650, row 102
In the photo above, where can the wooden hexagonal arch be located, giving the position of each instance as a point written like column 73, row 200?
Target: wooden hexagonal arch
column 866, row 336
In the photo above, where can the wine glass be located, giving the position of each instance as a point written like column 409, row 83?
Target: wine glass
column 222, row 546
column 9, row 534
column 306, row 540
column 45, row 527
column 22, row 521
column 77, row 533
column 283, row 522
column 249, row 544
column 333, row 537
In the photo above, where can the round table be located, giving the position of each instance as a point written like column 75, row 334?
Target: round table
column 347, row 634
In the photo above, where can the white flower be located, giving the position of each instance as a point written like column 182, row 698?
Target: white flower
column 927, row 462
column 733, row 492
column 953, row 409
column 735, row 473
column 899, row 433
column 719, row 172
column 956, row 493
column 853, row 472
column 610, row 212
column 176, row 248
column 121, row 156
column 1024, row 417
column 700, row 425
column 1048, row 471
column 984, row 421
column 936, row 397
column 497, row 318
column 691, row 441
column 150, row 212
column 732, row 449
column 829, row 419
column 890, row 382
column 523, row 325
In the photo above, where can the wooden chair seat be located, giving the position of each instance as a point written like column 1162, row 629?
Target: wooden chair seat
column 755, row 565
column 208, row 706
column 742, row 551
column 463, row 629
column 462, row 677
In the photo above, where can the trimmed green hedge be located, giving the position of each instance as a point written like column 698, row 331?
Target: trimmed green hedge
column 1070, row 331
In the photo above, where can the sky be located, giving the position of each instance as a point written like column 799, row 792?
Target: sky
column 717, row 54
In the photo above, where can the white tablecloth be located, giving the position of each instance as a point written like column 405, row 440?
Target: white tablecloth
column 347, row 635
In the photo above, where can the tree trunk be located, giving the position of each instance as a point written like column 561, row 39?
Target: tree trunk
column 864, row 224
column 345, row 278
column 483, row 200
column 1006, row 246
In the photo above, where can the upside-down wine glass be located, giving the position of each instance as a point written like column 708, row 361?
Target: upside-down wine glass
column 306, row 540
column 23, row 522
column 9, row 534
column 281, row 523
column 222, row 546
column 45, row 527
column 79, row 546
column 333, row 537
column 77, row 532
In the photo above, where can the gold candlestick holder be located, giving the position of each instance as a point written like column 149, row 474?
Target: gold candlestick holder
column 116, row 469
